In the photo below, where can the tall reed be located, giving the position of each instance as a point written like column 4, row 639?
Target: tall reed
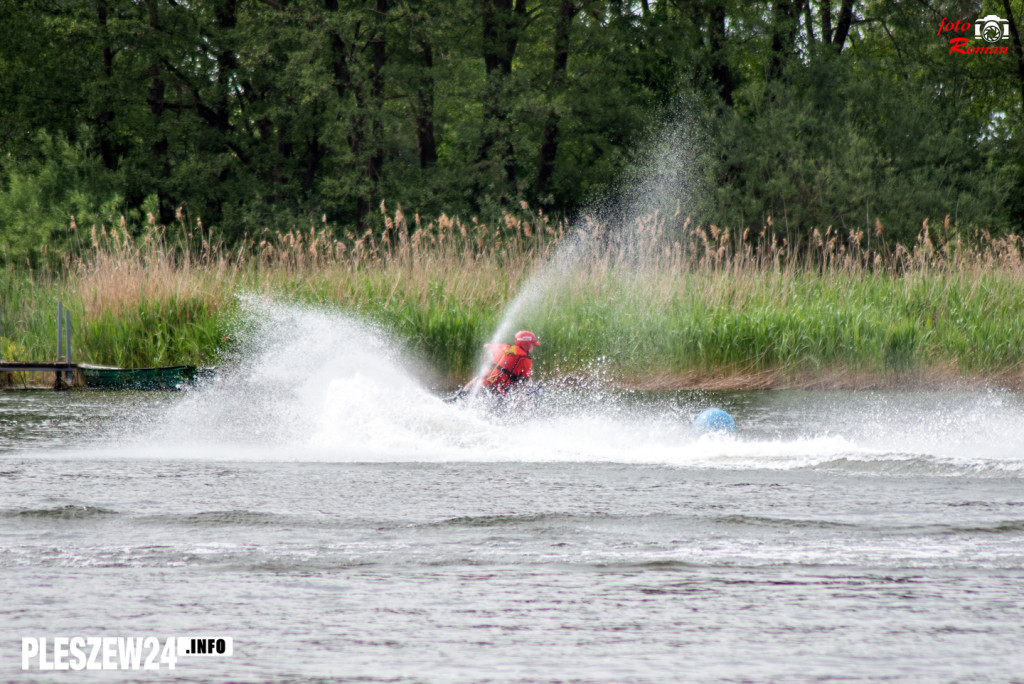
column 658, row 301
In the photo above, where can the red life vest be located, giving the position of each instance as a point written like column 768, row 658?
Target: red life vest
column 510, row 365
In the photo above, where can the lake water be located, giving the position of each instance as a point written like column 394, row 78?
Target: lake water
column 337, row 520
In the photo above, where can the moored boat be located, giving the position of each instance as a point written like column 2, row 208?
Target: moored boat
column 157, row 378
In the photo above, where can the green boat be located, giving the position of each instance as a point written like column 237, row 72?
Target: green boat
column 160, row 378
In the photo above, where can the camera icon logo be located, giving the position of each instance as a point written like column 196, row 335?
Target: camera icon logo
column 992, row 28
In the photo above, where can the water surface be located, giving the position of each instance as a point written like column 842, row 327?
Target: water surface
column 349, row 524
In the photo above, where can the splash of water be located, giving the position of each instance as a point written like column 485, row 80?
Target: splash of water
column 311, row 377
column 314, row 385
column 664, row 182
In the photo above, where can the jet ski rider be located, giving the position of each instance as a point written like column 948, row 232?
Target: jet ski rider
column 511, row 366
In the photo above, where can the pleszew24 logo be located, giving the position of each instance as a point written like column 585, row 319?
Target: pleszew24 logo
column 117, row 653
column 989, row 30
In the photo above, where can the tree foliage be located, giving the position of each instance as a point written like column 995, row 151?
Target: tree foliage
column 256, row 113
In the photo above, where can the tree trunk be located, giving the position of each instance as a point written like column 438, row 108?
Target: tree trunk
column 843, row 28
column 227, row 63
column 106, row 116
column 502, row 20
column 314, row 155
column 501, row 23
column 425, row 109
column 344, row 84
column 809, row 22
column 157, row 105
column 375, row 162
column 784, row 28
column 720, row 71
column 1015, row 34
column 283, row 152
column 826, row 21
column 549, row 137
column 225, row 22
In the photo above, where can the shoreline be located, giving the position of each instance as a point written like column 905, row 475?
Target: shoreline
column 937, row 377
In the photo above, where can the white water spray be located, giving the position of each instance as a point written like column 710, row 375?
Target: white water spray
column 313, row 385
column 665, row 181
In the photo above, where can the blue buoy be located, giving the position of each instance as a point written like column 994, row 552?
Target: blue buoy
column 714, row 420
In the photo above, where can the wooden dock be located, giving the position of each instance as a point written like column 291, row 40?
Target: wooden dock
column 64, row 371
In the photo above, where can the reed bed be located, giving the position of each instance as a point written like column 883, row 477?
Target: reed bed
column 652, row 302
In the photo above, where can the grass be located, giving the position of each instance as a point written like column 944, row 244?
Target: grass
column 661, row 303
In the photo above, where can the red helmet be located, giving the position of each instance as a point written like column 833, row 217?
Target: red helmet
column 527, row 340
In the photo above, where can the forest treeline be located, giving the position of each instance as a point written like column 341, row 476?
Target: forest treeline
column 255, row 114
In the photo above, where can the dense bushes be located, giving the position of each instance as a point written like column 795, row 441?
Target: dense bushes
column 251, row 115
